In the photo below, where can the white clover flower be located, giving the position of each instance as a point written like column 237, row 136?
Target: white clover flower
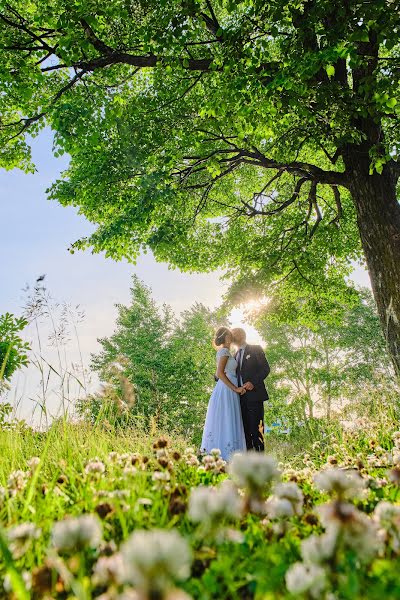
column 290, row 491
column 33, row 463
column 208, row 459
column 357, row 530
column 130, row 470
column 346, row 484
column 95, row 466
column 113, row 456
column 396, row 457
column 253, row 470
column 20, row 536
column 319, row 548
column 301, row 579
column 109, row 570
column 192, row 460
column 3, row 494
column 386, row 512
column 17, row 481
column 189, row 450
column 162, row 453
column 154, row 559
column 279, row 508
column 161, row 476
column 215, row 452
column 209, row 504
column 76, row 533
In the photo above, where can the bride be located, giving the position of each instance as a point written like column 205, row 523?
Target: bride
column 223, row 428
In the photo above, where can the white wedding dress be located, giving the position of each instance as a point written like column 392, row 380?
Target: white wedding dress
column 223, row 428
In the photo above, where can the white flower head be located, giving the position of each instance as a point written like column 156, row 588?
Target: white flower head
column 95, row 467
column 155, row 559
column 302, row 578
column 209, row 504
column 33, row 463
column 76, row 533
column 20, row 536
column 215, row 452
column 319, row 548
column 345, row 484
column 17, row 481
column 290, row 491
column 387, row 513
column 279, row 508
column 109, row 570
column 253, row 470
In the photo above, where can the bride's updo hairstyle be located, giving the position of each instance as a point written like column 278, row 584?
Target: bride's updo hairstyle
column 220, row 336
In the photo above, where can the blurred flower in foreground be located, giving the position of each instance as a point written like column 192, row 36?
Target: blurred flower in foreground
column 20, row 536
column 343, row 484
column 76, row 533
column 302, row 579
column 211, row 504
column 154, row 560
column 287, row 501
column 254, row 472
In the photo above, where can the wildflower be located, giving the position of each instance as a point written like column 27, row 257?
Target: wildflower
column 210, row 504
column 394, row 476
column 109, row 570
column 103, row 509
column 113, row 456
column 33, row 463
column 20, row 537
column 191, row 460
column 345, row 484
column 319, row 548
column 253, row 470
column 162, row 442
column 278, row 508
column 95, row 467
column 76, row 533
column 154, row 559
column 129, row 471
column 3, row 494
column 161, row 476
column 17, row 481
column 301, row 579
column 215, row 452
column 357, row 531
column 292, row 493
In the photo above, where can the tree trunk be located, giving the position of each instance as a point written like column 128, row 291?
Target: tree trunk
column 378, row 217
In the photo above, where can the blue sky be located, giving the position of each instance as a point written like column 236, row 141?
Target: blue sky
column 35, row 235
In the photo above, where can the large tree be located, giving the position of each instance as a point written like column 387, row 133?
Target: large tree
column 258, row 136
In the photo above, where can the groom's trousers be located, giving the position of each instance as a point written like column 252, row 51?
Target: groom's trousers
column 253, row 422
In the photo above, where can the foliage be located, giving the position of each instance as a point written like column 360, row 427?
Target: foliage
column 217, row 133
column 115, row 480
column 317, row 369
column 159, row 368
column 13, row 350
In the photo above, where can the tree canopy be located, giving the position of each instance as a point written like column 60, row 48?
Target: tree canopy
column 258, row 137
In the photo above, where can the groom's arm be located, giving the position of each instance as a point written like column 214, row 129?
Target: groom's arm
column 262, row 368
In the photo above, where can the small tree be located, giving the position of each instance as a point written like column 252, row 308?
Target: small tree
column 13, row 350
column 160, row 369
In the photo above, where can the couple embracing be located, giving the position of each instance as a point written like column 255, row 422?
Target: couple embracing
column 235, row 414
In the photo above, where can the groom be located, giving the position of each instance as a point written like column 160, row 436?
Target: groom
column 252, row 369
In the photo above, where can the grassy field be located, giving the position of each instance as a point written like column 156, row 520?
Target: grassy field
column 89, row 513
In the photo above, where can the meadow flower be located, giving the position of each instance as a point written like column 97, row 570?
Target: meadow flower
column 344, row 484
column 394, row 476
column 302, row 578
column 155, row 559
column 33, row 463
column 3, row 494
column 357, row 530
column 278, row 508
column 319, row 548
column 20, row 536
column 215, row 452
column 17, row 481
column 291, row 492
column 109, row 570
column 95, row 467
column 76, row 533
column 253, row 470
column 192, row 460
column 210, row 504
column 129, row 471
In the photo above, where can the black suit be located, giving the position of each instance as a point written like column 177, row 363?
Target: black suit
column 254, row 368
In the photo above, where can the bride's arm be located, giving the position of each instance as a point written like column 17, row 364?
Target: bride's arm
column 222, row 376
